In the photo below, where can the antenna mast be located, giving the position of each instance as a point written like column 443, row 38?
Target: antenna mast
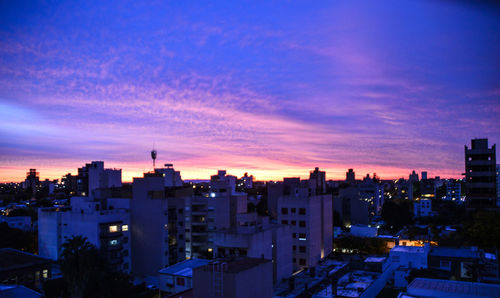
column 153, row 156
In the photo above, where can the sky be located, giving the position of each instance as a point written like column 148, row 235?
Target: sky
column 272, row 88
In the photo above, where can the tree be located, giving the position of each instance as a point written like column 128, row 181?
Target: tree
column 80, row 262
column 396, row 215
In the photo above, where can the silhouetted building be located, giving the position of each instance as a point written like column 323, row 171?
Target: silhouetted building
column 22, row 268
column 480, row 174
column 317, row 181
column 350, row 176
column 413, row 177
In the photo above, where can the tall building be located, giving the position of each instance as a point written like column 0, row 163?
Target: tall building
column 413, row 177
column 498, row 185
column 149, row 230
column 105, row 223
column 317, row 182
column 172, row 177
column 480, row 174
column 350, row 176
column 311, row 220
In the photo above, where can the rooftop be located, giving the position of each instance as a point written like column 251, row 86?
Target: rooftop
column 184, row 268
column 462, row 252
column 12, row 259
column 462, row 288
column 15, row 291
column 237, row 265
column 408, row 249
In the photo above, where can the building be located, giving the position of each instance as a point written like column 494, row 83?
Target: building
column 364, row 231
column 94, row 176
column 413, row 177
column 311, row 220
column 254, row 236
column 237, row 278
column 17, row 222
column 480, row 174
column 317, row 181
column 453, row 190
column 498, row 185
column 149, row 232
column 171, row 176
column 350, row 176
column 22, row 268
column 411, row 257
column 105, row 224
column 179, row 277
column 464, row 263
column 422, row 208
column 426, row 287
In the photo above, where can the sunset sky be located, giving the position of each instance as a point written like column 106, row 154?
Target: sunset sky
column 272, row 88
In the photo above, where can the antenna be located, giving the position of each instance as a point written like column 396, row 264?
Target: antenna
column 153, row 156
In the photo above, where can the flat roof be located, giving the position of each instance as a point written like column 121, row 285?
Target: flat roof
column 471, row 289
column 375, row 259
column 11, row 259
column 465, row 252
column 16, row 291
column 409, row 249
column 237, row 265
column 184, row 268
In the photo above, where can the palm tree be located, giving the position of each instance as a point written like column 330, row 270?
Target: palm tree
column 79, row 262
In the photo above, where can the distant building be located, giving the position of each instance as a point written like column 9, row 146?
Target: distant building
column 413, row 177
column 480, row 174
column 422, row 208
column 424, row 175
column 317, row 181
column 172, row 177
column 350, row 176
column 22, row 268
column 239, row 278
column 453, row 190
column 498, row 185
column 94, row 176
column 17, row 222
column 247, row 181
column 104, row 223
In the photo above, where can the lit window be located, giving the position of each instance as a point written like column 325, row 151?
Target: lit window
column 125, row 228
column 113, row 229
column 113, row 242
column 45, row 273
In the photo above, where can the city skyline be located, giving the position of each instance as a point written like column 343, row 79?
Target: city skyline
column 269, row 89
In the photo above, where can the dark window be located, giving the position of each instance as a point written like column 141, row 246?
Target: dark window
column 284, row 222
column 180, row 211
column 302, row 223
column 294, row 260
column 303, row 236
column 302, row 249
column 294, row 248
column 180, row 237
column 180, row 281
column 302, row 262
column 293, row 222
column 294, row 210
column 181, row 223
column 302, row 211
column 284, row 210
column 294, row 235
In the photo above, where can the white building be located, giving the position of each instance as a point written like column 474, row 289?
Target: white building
column 99, row 177
column 410, row 256
column 255, row 237
column 310, row 218
column 104, row 224
column 171, row 176
column 422, row 208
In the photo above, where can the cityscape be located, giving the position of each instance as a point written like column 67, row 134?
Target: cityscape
column 249, row 149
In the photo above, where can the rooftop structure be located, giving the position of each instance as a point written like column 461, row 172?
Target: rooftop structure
column 425, row 287
column 178, row 278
